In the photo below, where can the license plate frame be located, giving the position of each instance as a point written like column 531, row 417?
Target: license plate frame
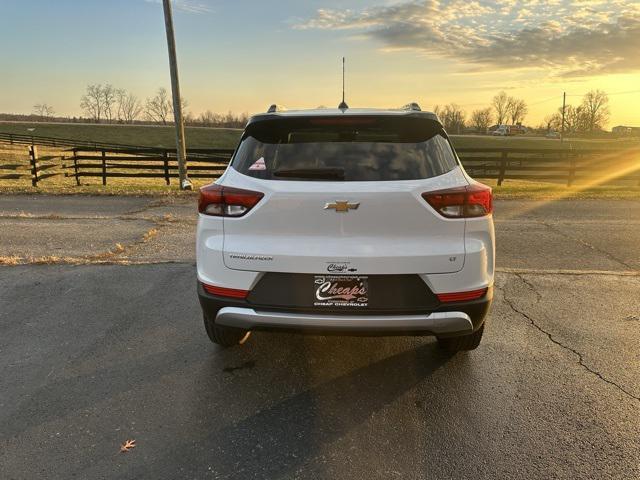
column 341, row 291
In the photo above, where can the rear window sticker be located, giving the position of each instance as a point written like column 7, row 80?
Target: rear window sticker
column 258, row 165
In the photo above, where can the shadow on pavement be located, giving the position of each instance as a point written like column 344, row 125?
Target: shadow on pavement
column 278, row 439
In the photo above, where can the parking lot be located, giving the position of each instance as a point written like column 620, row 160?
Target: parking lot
column 101, row 341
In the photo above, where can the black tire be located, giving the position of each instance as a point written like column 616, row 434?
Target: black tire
column 223, row 336
column 462, row 343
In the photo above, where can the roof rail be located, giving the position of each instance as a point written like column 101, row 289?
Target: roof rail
column 413, row 106
column 275, row 108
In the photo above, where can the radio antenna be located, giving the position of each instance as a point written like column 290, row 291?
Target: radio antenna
column 343, row 105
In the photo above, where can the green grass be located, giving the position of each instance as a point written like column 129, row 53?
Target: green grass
column 485, row 141
column 142, row 135
column 124, row 189
column 202, row 137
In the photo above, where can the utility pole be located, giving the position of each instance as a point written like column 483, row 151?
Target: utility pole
column 185, row 183
column 564, row 103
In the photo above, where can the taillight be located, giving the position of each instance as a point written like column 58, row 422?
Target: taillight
column 462, row 202
column 224, row 201
column 225, row 292
column 461, row 296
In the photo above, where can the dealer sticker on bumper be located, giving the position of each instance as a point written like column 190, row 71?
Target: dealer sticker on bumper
column 341, row 291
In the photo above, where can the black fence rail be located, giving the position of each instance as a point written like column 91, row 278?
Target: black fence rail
column 144, row 163
column 552, row 165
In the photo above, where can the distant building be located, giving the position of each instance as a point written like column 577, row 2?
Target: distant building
column 623, row 131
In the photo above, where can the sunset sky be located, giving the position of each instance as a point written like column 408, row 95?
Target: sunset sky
column 244, row 55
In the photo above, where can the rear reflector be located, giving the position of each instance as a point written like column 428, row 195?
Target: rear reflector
column 220, row 201
column 225, row 292
column 461, row 296
column 462, row 202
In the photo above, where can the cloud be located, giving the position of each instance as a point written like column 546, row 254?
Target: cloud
column 188, row 6
column 569, row 38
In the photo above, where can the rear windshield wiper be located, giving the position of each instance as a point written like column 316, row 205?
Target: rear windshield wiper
column 313, row 173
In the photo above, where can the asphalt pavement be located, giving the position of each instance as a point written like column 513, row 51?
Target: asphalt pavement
column 100, row 344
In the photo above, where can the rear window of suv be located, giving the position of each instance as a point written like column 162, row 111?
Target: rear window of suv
column 346, row 148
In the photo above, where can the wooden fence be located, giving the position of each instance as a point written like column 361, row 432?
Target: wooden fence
column 552, row 165
column 144, row 163
column 38, row 168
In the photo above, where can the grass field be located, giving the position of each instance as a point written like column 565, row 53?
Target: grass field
column 142, row 135
column 202, row 137
column 227, row 138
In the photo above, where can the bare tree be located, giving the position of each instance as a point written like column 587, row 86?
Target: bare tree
column 92, row 102
column 453, row 118
column 574, row 119
column 109, row 100
column 553, row 122
column 500, row 104
column 595, row 110
column 517, row 110
column 210, row 118
column 44, row 110
column 128, row 106
column 591, row 115
column 437, row 109
column 481, row 119
column 158, row 108
column 229, row 120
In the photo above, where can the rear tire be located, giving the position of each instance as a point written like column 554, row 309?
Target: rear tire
column 223, row 336
column 462, row 343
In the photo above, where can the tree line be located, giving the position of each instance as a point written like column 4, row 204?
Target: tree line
column 502, row 110
column 104, row 103
column 590, row 116
column 587, row 117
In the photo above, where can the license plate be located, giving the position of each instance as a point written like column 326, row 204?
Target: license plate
column 340, row 291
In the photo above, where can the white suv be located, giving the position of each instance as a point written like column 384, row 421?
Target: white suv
column 351, row 221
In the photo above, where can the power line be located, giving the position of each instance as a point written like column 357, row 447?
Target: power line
column 608, row 94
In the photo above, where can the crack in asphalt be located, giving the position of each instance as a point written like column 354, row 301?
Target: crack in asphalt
column 533, row 323
column 148, row 206
column 609, row 255
column 159, row 219
column 555, row 271
column 531, row 287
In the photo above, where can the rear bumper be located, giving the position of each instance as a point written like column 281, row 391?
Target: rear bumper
column 437, row 323
column 451, row 319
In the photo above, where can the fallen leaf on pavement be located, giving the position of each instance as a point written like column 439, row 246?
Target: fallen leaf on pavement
column 128, row 445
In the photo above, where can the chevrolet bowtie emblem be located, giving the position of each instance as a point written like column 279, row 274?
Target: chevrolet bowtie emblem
column 342, row 206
